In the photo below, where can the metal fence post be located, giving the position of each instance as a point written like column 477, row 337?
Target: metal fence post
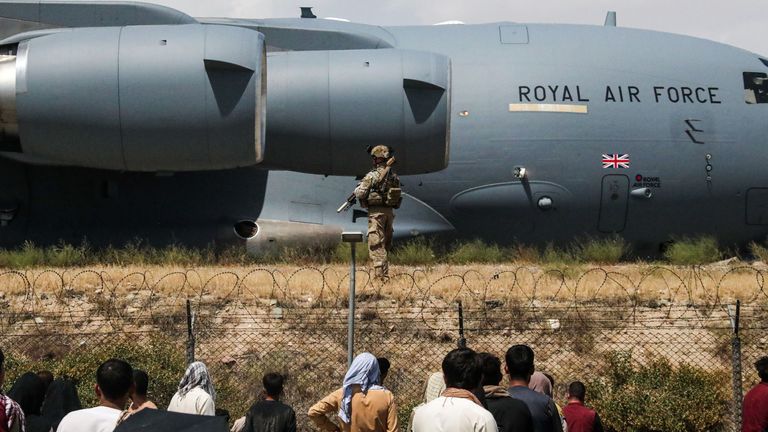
column 738, row 392
column 462, row 339
column 190, row 333
column 351, row 318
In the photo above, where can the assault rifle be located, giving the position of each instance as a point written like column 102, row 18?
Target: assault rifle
column 351, row 200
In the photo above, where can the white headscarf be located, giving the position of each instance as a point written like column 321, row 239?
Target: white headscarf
column 364, row 371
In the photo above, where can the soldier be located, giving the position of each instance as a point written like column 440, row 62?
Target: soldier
column 380, row 193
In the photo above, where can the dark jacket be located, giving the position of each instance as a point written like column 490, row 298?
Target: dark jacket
column 543, row 409
column 512, row 415
column 270, row 416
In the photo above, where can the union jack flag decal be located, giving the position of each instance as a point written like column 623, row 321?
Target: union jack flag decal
column 615, row 161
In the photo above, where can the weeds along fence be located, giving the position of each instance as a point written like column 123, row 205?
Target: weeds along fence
column 658, row 348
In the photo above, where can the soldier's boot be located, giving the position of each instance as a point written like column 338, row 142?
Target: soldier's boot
column 381, row 272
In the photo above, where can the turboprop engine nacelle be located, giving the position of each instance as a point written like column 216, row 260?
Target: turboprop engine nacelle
column 136, row 98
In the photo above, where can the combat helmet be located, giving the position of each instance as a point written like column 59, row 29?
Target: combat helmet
column 380, row 151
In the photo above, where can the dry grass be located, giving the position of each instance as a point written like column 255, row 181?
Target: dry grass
column 445, row 283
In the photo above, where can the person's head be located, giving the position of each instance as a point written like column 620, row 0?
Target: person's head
column 577, row 390
column 60, row 399
column 380, row 154
column 540, row 383
column 491, row 369
column 141, row 382
column 364, row 370
column 47, row 377
column 762, row 368
column 273, row 384
column 519, row 362
column 29, row 392
column 114, row 381
column 462, row 369
column 383, row 368
column 196, row 376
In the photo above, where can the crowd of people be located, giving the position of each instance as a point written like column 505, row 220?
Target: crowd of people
column 466, row 395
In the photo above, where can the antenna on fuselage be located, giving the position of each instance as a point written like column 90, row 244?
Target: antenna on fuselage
column 306, row 12
column 610, row 19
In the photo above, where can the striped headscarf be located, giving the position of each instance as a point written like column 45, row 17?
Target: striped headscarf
column 364, row 371
column 197, row 376
column 10, row 414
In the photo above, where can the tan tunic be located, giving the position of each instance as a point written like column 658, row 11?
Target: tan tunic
column 372, row 412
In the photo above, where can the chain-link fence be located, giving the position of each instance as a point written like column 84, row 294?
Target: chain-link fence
column 596, row 327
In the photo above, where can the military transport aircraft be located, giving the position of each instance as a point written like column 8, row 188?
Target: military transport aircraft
column 126, row 120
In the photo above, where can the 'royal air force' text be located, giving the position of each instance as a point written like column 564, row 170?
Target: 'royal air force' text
column 621, row 94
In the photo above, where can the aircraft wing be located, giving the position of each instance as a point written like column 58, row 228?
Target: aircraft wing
column 313, row 34
column 21, row 16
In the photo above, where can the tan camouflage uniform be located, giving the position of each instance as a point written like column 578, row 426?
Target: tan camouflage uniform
column 380, row 220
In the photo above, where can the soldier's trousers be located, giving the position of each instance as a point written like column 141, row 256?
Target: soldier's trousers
column 380, row 221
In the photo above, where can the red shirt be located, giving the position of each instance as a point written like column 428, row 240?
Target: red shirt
column 580, row 418
column 755, row 413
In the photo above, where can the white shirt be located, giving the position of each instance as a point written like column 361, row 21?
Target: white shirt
column 99, row 419
column 453, row 415
column 196, row 401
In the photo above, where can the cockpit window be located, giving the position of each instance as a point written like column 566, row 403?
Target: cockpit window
column 755, row 87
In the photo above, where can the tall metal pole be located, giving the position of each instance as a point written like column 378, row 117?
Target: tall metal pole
column 190, row 333
column 351, row 318
column 738, row 392
column 462, row 340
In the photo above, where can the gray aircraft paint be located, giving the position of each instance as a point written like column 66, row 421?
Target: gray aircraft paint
column 698, row 149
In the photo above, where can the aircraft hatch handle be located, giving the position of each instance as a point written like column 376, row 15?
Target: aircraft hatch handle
column 642, row 193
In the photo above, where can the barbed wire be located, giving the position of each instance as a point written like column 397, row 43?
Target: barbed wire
column 314, row 294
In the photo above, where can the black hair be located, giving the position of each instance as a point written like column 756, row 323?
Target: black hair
column 462, row 369
column 273, row 384
column 762, row 368
column 46, row 376
column 141, row 379
column 2, row 361
column 519, row 360
column 114, row 378
column 491, row 369
column 578, row 390
column 383, row 365
column 551, row 380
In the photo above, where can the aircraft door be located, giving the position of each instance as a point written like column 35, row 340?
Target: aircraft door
column 613, row 203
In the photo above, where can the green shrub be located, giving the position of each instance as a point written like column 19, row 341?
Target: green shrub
column 601, row 251
column 525, row 253
column 417, row 251
column 160, row 357
column 658, row 396
column 341, row 253
column 27, row 256
column 759, row 251
column 476, row 251
column 67, row 255
column 557, row 255
column 701, row 250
